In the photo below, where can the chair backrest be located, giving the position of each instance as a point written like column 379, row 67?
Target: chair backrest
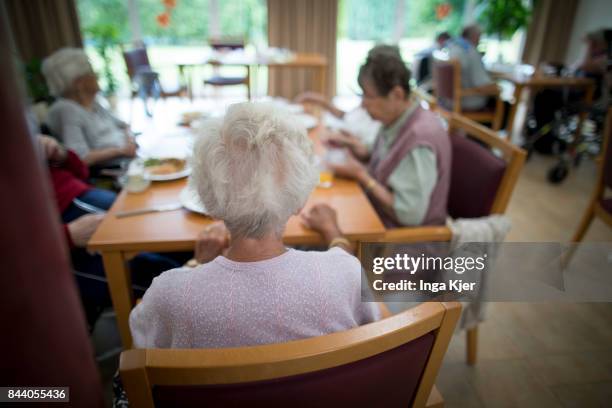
column 606, row 165
column 136, row 60
column 40, row 305
column 422, row 68
column 226, row 44
column 425, row 99
column 481, row 181
column 392, row 362
column 446, row 83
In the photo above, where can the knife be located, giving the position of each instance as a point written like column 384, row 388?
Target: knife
column 157, row 208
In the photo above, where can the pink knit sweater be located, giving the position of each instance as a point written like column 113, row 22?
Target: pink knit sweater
column 224, row 303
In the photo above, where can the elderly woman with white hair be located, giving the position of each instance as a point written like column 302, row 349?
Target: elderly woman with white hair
column 253, row 170
column 82, row 124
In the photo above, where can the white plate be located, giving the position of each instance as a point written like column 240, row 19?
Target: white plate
column 294, row 108
column 167, row 177
column 309, row 121
column 190, row 200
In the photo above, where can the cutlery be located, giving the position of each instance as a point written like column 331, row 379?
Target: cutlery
column 157, row 208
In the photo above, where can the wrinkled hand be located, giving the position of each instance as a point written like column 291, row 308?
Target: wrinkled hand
column 351, row 168
column 129, row 149
column 54, row 151
column 83, row 228
column 322, row 218
column 311, row 97
column 338, row 139
column 211, row 242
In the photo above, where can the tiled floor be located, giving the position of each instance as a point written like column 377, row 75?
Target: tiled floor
column 539, row 355
column 530, row 355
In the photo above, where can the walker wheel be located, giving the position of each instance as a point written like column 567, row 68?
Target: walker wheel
column 558, row 173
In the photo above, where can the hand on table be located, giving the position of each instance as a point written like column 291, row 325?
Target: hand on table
column 83, row 228
column 211, row 242
column 54, row 152
column 322, row 218
column 350, row 168
column 341, row 138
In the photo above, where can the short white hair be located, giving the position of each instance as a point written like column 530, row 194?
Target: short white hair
column 64, row 66
column 253, row 168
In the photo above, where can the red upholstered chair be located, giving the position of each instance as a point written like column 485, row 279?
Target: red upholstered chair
column 224, row 45
column 448, row 92
column 481, row 185
column 393, row 362
column 600, row 205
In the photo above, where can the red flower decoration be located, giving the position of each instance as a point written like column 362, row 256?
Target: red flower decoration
column 169, row 3
column 443, row 10
column 163, row 20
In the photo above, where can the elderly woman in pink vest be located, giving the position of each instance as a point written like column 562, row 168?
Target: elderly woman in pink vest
column 407, row 171
column 253, row 170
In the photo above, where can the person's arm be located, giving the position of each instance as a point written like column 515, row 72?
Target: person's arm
column 79, row 231
column 596, row 65
column 479, row 78
column 355, row 170
column 101, row 155
column 344, row 138
column 319, row 100
column 74, row 139
column 486, row 89
column 411, row 184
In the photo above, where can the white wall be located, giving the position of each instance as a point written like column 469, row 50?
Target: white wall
column 591, row 15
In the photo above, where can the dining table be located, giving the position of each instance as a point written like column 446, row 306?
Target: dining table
column 119, row 239
column 312, row 61
column 534, row 80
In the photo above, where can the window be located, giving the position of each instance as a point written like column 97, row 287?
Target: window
column 185, row 36
column 412, row 25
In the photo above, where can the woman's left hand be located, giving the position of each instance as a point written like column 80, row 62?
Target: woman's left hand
column 211, row 242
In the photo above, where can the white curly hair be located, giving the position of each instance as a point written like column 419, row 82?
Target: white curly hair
column 64, row 66
column 253, row 169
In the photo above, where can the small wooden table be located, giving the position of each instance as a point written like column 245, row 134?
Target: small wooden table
column 522, row 81
column 119, row 239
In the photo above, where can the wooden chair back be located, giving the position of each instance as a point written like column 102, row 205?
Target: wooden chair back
column 513, row 158
column 446, row 77
column 448, row 90
column 390, row 362
column 136, row 60
column 606, row 150
column 599, row 204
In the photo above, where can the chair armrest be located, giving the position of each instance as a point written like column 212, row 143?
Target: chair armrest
column 480, row 91
column 418, row 234
column 424, row 96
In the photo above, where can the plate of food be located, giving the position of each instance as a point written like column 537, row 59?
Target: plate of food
column 189, row 200
column 163, row 169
